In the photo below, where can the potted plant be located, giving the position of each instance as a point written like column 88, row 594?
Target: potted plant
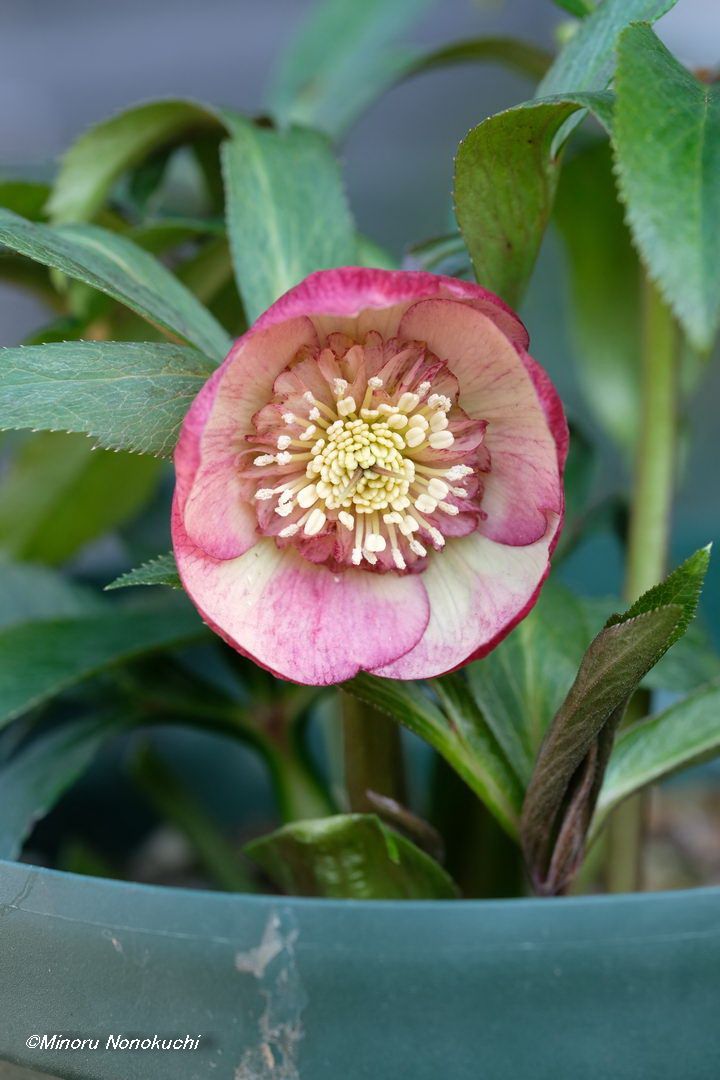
column 369, row 487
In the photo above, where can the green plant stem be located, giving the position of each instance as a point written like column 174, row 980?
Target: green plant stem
column 648, row 541
column 372, row 753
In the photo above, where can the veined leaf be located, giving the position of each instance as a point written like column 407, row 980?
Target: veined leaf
column 672, row 187
column 129, row 396
column 116, row 266
column 40, row 772
column 588, row 59
column 343, row 58
column 686, row 733
column 96, row 160
column 566, row 781
column 352, row 856
column 287, row 212
column 41, row 659
column 506, row 172
column 57, row 494
column 456, row 728
column 160, row 571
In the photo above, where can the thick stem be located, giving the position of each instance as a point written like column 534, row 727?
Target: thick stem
column 648, row 541
column 373, row 755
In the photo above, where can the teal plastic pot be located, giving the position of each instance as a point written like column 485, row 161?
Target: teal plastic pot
column 596, row 988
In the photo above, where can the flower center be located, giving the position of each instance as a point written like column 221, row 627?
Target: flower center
column 364, row 456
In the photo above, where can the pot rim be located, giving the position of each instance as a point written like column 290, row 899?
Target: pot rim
column 150, row 892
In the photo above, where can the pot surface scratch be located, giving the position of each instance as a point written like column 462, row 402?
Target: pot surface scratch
column 272, row 962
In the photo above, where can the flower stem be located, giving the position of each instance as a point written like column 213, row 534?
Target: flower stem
column 372, row 754
column 648, row 540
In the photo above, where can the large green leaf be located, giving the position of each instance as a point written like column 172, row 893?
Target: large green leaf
column 96, row 160
column 520, row 685
column 57, row 493
column 605, row 291
column 506, row 172
column 684, row 734
column 351, row 856
column 37, row 775
column 286, row 209
column 159, row 571
column 444, row 714
column 40, row 659
column 588, row 59
column 116, row 266
column 565, row 783
column 671, row 183
column 343, row 58
column 130, row 396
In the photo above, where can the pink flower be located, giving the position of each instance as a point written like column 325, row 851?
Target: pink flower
column 372, row 480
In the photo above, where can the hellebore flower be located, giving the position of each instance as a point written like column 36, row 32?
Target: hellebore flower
column 372, row 480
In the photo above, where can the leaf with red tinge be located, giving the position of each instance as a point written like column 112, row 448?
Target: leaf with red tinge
column 568, row 774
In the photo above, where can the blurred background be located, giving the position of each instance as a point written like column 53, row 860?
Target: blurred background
column 65, row 64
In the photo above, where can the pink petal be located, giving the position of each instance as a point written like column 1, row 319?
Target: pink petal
column 358, row 299
column 216, row 516
column 478, row 591
column 299, row 620
column 500, row 384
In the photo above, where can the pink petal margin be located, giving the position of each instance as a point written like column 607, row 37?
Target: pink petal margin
column 297, row 619
column 347, row 291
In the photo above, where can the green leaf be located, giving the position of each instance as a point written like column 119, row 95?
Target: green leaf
column 25, row 197
column 681, row 588
column 96, row 160
column 160, row 571
column 683, row 735
column 352, row 856
column 130, row 396
column 671, row 184
column 343, row 58
column 57, row 494
column 522, row 683
column 286, row 209
column 33, row 780
column 441, row 255
column 605, row 291
column 31, row 593
column 506, row 172
column 580, row 8
column 691, row 662
column 116, row 266
column 40, row 659
column 588, row 59
column 521, row 56
column 566, row 781
column 443, row 713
